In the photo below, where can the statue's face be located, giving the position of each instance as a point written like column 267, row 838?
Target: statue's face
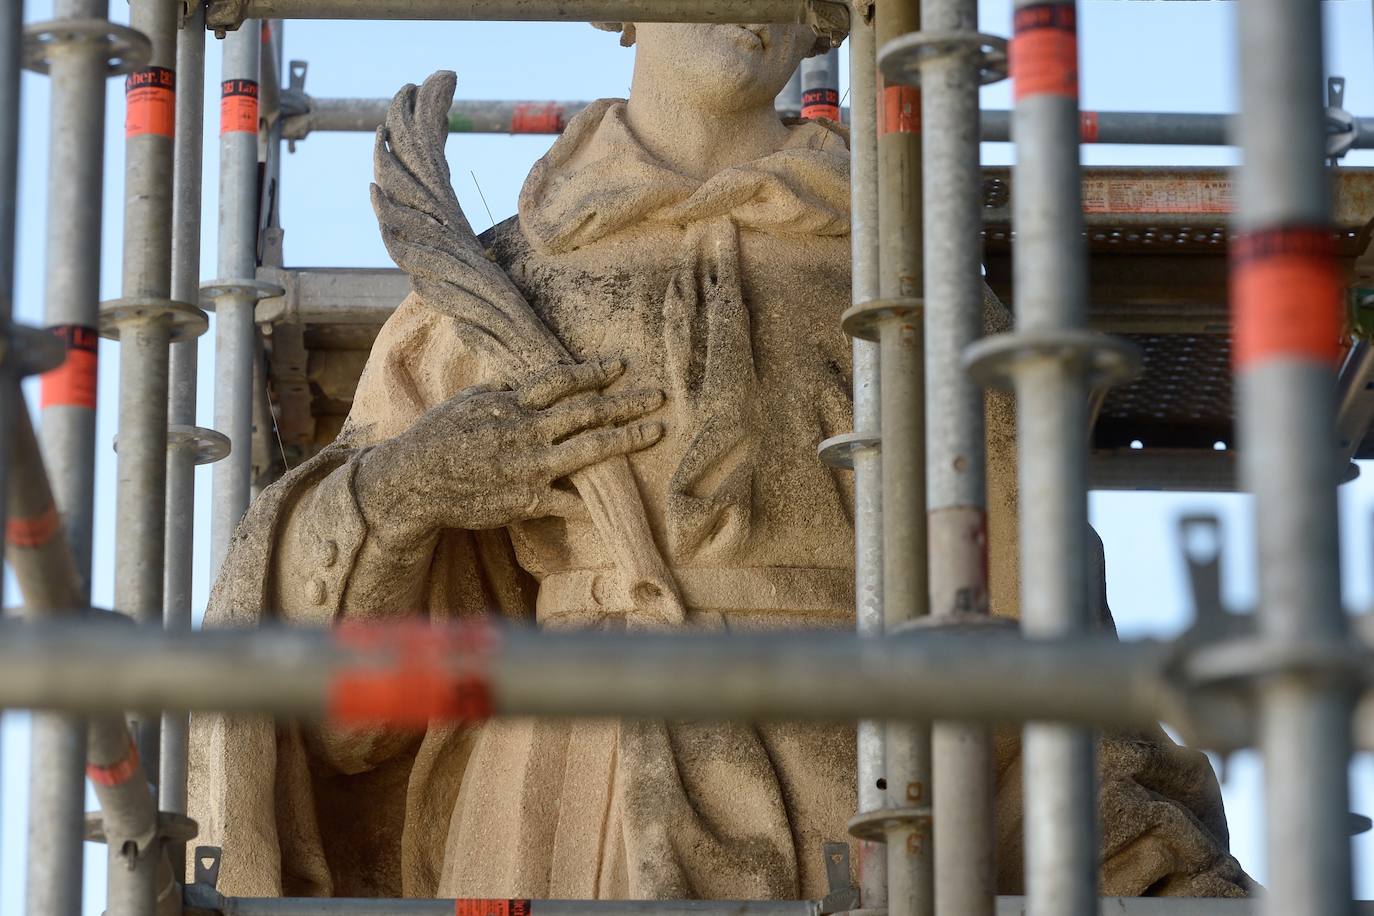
column 723, row 67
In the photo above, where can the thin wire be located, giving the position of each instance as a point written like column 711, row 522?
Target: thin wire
column 483, row 196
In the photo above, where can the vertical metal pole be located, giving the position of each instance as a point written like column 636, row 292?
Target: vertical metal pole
column 145, row 318
column 788, row 102
column 910, row 861
column 72, row 275
column 181, row 414
column 1050, row 272
column 965, row 870
column 820, row 86
column 868, row 494
column 11, row 52
column 235, row 338
column 78, row 70
column 1287, row 314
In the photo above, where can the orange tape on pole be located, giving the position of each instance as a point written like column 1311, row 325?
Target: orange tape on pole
column 1286, row 296
column 34, row 531
column 238, row 107
column 536, row 118
column 901, row 110
column 1087, row 126
column 150, row 102
column 112, row 774
column 1044, row 51
column 72, row 384
column 434, row 673
column 476, row 907
column 821, row 103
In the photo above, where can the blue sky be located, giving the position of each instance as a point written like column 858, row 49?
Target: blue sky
column 1135, row 56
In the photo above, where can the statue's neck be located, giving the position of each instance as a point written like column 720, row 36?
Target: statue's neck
column 697, row 143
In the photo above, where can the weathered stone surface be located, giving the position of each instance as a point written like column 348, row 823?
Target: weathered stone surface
column 606, row 415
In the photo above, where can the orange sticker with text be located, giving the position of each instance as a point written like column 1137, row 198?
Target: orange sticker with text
column 901, row 110
column 1286, row 296
column 72, row 384
column 238, row 107
column 821, row 103
column 1044, row 51
column 150, row 102
column 475, row 907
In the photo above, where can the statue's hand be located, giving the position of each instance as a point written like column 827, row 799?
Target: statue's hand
column 488, row 457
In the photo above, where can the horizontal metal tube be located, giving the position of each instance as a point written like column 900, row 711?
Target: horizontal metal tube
column 488, row 116
column 531, row 10
column 304, row 906
column 1006, row 906
column 95, row 666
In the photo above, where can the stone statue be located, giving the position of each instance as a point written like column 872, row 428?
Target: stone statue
column 605, row 414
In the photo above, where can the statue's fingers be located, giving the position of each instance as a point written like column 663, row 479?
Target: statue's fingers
column 571, row 417
column 552, row 385
column 586, row 449
column 560, row 503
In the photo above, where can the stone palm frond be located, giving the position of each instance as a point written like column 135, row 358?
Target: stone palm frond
column 428, row 236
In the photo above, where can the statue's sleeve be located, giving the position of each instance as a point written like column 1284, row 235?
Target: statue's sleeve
column 329, row 564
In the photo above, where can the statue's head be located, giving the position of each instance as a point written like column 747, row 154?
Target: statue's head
column 721, row 67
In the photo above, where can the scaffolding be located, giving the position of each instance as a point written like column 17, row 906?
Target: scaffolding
column 927, row 672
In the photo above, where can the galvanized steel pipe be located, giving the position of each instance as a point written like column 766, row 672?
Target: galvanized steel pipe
column 948, row 60
column 518, row 672
column 188, row 154
column 1051, row 381
column 867, row 454
column 144, row 319
column 302, row 906
column 235, row 296
column 46, row 571
column 77, row 68
column 1282, row 265
column 900, row 329
column 828, row 13
column 820, row 86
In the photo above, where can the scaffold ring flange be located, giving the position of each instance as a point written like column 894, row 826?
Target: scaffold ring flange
column 901, row 59
column 206, row 445
column 863, row 319
column 185, row 321
column 177, row 828
column 34, row 350
column 126, row 49
column 257, row 290
column 873, row 825
column 1106, row 360
column 838, row 451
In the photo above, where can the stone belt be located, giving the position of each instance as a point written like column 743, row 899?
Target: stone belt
column 589, row 595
